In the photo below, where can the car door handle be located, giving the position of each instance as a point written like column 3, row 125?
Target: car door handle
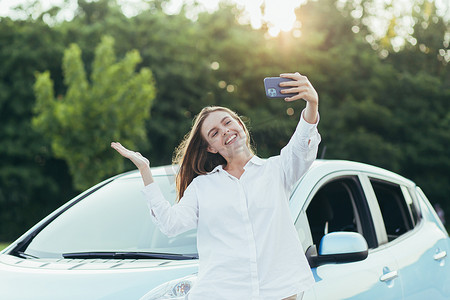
column 389, row 276
column 440, row 255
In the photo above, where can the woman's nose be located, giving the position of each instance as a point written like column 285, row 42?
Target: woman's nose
column 226, row 131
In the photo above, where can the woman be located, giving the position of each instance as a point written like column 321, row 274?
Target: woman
column 247, row 243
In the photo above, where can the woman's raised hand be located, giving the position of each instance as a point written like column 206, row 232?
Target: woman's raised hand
column 140, row 161
column 304, row 90
column 301, row 86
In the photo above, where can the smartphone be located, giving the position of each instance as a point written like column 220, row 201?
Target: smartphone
column 273, row 88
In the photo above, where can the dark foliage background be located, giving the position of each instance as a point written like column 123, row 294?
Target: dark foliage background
column 379, row 106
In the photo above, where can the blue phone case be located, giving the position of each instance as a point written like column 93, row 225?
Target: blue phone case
column 272, row 87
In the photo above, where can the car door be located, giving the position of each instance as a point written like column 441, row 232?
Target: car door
column 418, row 245
column 338, row 203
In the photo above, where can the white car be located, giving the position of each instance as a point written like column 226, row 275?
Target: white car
column 368, row 234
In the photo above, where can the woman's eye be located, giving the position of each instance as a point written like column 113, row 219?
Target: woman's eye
column 214, row 134
column 228, row 122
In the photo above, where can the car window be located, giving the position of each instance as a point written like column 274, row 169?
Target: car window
column 397, row 208
column 113, row 218
column 340, row 205
column 412, row 204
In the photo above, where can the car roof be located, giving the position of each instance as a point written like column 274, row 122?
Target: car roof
column 319, row 166
column 330, row 166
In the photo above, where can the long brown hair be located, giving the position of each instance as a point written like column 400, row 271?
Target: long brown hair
column 191, row 155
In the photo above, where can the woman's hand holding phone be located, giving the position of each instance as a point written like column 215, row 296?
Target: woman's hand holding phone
column 301, row 86
column 291, row 87
column 295, row 86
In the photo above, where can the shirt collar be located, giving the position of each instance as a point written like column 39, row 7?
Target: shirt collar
column 216, row 169
column 254, row 160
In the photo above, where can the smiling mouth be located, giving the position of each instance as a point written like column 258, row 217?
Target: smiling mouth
column 230, row 139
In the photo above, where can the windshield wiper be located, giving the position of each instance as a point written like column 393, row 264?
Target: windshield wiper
column 128, row 255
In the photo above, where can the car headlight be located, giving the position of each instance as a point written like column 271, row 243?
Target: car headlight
column 174, row 289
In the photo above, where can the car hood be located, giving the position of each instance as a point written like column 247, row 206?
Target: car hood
column 86, row 278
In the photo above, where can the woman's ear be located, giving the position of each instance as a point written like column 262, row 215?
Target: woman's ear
column 211, row 150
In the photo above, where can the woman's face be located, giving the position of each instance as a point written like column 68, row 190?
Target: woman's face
column 224, row 134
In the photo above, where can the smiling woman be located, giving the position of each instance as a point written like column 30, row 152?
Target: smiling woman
column 247, row 243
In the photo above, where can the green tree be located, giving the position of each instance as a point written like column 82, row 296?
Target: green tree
column 113, row 106
column 32, row 181
column 171, row 46
column 388, row 111
column 391, row 111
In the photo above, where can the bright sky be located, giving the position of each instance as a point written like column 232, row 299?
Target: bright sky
column 279, row 13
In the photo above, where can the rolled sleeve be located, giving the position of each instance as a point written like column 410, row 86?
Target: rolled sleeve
column 154, row 197
column 298, row 155
column 306, row 133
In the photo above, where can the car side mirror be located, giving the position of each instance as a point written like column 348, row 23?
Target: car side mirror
column 338, row 247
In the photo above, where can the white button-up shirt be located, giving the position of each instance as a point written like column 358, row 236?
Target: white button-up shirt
column 247, row 243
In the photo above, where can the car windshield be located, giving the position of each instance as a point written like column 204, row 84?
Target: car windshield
column 115, row 218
